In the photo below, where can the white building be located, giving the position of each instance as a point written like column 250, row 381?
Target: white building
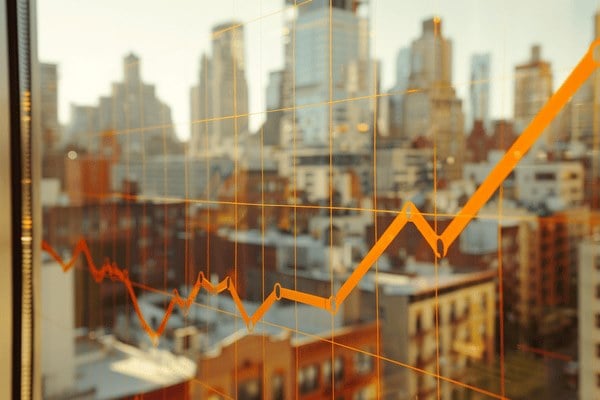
column 589, row 319
column 58, row 331
column 402, row 169
column 556, row 184
column 316, row 172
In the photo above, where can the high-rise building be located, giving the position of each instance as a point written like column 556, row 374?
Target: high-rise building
column 397, row 92
column 219, row 101
column 431, row 57
column 433, row 110
column 84, row 126
column 331, row 63
column 533, row 87
column 140, row 120
column 49, row 105
column 584, row 123
column 480, row 89
column 272, row 126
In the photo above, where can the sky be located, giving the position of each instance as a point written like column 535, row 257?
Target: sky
column 88, row 41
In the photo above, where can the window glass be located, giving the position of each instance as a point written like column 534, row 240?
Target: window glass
column 274, row 198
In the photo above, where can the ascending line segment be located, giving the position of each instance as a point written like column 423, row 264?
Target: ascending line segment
column 438, row 243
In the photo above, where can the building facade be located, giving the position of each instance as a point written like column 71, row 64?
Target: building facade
column 589, row 318
column 50, row 127
column 254, row 367
column 419, row 328
column 432, row 109
column 479, row 89
column 331, row 63
column 219, row 101
column 533, row 87
column 140, row 121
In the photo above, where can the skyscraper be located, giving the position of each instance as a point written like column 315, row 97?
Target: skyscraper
column 331, row 63
column 583, row 113
column 432, row 110
column 533, row 87
column 141, row 121
column 272, row 126
column 396, row 98
column 431, row 57
column 49, row 105
column 480, row 90
column 219, row 102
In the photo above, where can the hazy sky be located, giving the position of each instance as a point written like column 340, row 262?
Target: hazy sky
column 89, row 40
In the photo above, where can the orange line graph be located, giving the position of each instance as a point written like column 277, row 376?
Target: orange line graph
column 545, row 353
column 409, row 213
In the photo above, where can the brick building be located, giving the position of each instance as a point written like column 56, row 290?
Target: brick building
column 253, row 366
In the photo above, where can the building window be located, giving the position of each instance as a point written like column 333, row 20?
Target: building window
column 597, row 350
column 326, row 373
column 307, row 379
column 363, row 362
column 453, row 312
column 250, row 390
column 338, row 369
column 366, row 393
column 278, row 392
column 597, row 320
column 418, row 323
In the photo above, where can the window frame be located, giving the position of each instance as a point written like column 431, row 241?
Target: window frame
column 19, row 201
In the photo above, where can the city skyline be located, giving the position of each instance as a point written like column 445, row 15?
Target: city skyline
column 170, row 65
column 440, row 251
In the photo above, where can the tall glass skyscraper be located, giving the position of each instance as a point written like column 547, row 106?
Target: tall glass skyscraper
column 331, row 63
column 480, row 90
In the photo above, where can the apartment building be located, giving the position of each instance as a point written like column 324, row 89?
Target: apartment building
column 589, row 318
column 335, row 364
column 431, row 317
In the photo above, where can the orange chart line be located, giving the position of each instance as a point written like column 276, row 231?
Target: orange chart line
column 545, row 353
column 438, row 243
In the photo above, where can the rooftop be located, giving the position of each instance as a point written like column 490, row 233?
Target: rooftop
column 116, row 369
column 423, row 278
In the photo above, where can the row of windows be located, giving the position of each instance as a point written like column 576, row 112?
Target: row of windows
column 308, row 376
column 455, row 315
column 252, row 389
